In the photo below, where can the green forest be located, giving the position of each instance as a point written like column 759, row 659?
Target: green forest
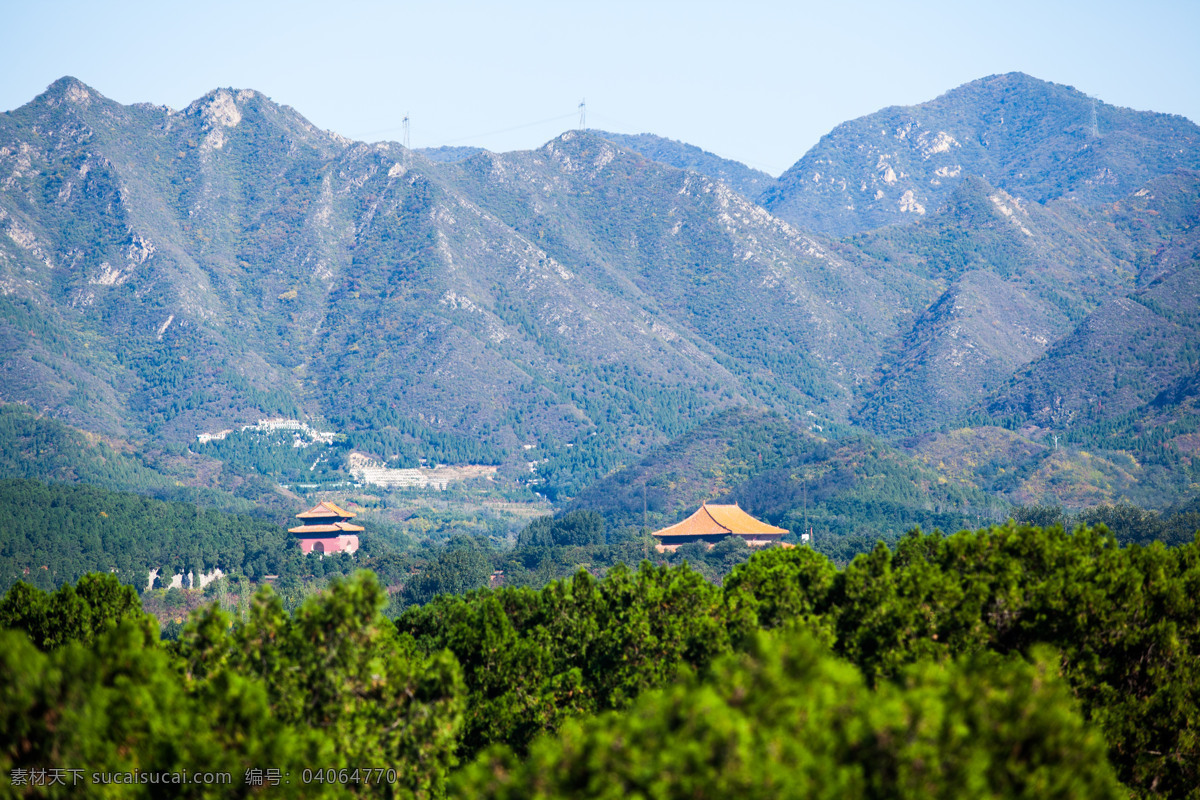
column 1015, row 661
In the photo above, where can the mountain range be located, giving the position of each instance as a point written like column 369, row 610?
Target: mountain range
column 1013, row 257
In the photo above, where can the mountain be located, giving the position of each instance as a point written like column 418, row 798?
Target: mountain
column 449, row 153
column 1125, row 355
column 38, row 448
column 747, row 181
column 972, row 338
column 1033, row 139
column 167, row 273
column 131, row 236
column 1027, row 469
column 1131, row 349
column 1157, row 228
column 743, row 179
column 1017, row 277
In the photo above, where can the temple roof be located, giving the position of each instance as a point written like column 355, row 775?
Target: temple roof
column 324, row 510
column 713, row 520
column 334, row 527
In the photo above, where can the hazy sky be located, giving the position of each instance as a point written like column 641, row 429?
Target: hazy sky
column 759, row 82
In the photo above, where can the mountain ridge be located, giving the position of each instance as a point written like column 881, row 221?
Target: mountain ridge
column 169, row 272
column 1035, row 139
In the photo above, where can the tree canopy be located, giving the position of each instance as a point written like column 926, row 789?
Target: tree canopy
column 1009, row 662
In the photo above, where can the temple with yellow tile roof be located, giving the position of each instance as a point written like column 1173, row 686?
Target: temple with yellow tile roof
column 327, row 529
column 711, row 523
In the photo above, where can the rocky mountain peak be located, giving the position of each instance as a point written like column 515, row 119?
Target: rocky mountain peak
column 68, row 89
column 1035, row 139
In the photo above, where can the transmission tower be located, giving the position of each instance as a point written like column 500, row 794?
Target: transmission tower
column 407, row 145
column 1095, row 124
column 582, row 114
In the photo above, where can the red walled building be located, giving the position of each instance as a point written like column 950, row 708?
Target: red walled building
column 327, row 529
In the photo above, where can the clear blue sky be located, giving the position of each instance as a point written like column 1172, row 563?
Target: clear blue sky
column 759, row 82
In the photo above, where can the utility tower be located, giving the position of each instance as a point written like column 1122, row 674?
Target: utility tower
column 582, row 114
column 407, row 144
column 1095, row 124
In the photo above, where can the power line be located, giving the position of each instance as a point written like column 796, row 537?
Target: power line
column 404, row 129
column 509, row 130
column 581, row 111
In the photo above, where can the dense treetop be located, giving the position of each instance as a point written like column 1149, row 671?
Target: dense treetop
column 1021, row 661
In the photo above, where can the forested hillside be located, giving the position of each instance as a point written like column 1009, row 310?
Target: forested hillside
column 170, row 273
column 749, row 182
column 50, row 535
column 366, row 285
column 40, row 448
column 849, row 489
column 950, row 664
